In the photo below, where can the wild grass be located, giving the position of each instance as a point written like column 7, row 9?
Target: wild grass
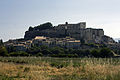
column 46, row 68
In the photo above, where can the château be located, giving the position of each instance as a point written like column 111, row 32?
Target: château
column 77, row 31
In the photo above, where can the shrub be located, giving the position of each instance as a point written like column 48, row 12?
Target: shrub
column 57, row 50
column 3, row 51
column 27, row 69
column 46, row 52
column 95, row 53
column 105, row 52
column 59, row 64
column 39, row 54
column 19, row 53
column 34, row 50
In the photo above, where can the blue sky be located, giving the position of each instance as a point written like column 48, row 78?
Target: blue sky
column 17, row 15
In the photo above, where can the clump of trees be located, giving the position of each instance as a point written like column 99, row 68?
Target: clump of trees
column 1, row 42
column 103, row 53
column 3, row 50
column 62, row 52
column 18, row 53
column 59, row 52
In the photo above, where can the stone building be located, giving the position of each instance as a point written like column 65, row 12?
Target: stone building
column 66, row 42
column 18, row 45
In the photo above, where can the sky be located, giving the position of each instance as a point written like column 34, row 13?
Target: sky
column 17, row 15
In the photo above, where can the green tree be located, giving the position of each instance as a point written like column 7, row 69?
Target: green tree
column 57, row 50
column 39, row 54
column 3, row 51
column 95, row 53
column 1, row 42
column 106, row 52
column 34, row 50
column 11, row 49
column 46, row 52
column 19, row 53
column 30, row 28
column 42, row 47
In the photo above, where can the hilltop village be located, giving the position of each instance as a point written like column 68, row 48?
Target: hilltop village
column 77, row 31
column 66, row 35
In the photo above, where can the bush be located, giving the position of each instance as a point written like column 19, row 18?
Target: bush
column 82, row 53
column 19, row 53
column 57, row 50
column 95, row 53
column 34, row 50
column 65, row 55
column 46, row 52
column 102, row 53
column 1, row 42
column 27, row 69
column 59, row 64
column 105, row 52
column 42, row 47
column 3, row 51
column 39, row 54
column 11, row 49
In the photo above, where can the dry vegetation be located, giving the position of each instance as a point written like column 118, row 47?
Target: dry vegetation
column 32, row 68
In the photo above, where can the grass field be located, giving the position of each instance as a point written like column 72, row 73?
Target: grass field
column 46, row 68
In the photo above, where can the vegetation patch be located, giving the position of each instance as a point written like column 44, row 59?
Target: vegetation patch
column 47, row 68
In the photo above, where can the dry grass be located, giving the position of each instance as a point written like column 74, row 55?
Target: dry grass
column 88, row 71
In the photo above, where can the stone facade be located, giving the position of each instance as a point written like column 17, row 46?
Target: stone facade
column 18, row 45
column 66, row 42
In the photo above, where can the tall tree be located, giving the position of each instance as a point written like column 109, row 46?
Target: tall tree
column 3, row 51
column 1, row 42
column 30, row 28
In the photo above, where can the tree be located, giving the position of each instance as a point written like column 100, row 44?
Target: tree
column 95, row 53
column 19, row 53
column 39, row 54
column 106, row 52
column 30, row 28
column 3, row 51
column 1, row 42
column 43, row 47
column 46, row 52
column 34, row 50
column 57, row 50
column 103, row 53
column 10, row 49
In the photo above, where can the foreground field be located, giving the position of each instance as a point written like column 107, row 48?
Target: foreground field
column 41, row 68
